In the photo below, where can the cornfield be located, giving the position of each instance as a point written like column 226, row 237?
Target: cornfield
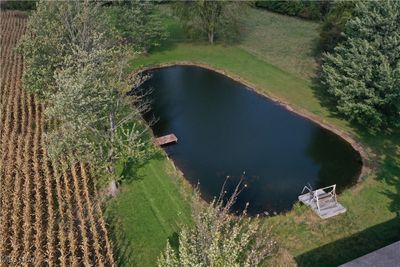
column 47, row 216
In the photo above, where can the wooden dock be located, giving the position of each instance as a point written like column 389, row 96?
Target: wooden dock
column 166, row 139
column 323, row 201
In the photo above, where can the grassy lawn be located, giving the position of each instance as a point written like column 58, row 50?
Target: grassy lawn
column 151, row 207
column 147, row 213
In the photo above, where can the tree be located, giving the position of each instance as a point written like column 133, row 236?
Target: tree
column 219, row 238
column 54, row 30
column 18, row 5
column 89, row 115
column 363, row 73
column 213, row 18
column 334, row 23
column 138, row 23
column 93, row 114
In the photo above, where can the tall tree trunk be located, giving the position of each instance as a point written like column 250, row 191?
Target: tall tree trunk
column 211, row 36
column 112, row 188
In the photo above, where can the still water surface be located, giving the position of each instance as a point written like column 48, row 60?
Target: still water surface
column 224, row 130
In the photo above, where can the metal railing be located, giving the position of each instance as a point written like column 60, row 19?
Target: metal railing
column 331, row 190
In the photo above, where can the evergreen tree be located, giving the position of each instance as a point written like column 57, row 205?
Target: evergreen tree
column 331, row 32
column 363, row 73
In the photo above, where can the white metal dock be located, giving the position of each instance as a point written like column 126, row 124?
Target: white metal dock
column 323, row 201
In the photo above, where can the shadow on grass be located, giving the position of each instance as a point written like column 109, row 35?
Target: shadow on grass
column 347, row 249
column 389, row 169
column 130, row 169
column 386, row 146
column 325, row 99
column 122, row 246
column 174, row 241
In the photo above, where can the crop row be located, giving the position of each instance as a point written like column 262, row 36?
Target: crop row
column 49, row 216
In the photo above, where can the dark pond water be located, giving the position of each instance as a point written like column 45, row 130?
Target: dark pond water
column 226, row 130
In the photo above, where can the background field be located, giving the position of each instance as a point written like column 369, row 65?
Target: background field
column 286, row 42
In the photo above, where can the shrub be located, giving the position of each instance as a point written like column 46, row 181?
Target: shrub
column 219, row 238
column 18, row 5
column 314, row 10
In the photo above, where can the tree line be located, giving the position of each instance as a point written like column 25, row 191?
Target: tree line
column 76, row 64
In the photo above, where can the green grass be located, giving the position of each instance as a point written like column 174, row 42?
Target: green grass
column 147, row 213
column 286, row 42
column 372, row 220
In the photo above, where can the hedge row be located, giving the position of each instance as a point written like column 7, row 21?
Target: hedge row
column 18, row 5
column 313, row 10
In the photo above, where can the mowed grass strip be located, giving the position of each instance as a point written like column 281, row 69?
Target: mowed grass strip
column 150, row 210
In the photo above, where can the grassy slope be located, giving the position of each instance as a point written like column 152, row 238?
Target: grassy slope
column 370, row 222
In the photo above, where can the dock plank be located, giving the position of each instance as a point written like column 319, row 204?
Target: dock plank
column 166, row 139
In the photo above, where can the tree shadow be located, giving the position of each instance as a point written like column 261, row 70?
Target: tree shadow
column 316, row 50
column 347, row 249
column 176, row 35
column 389, row 167
column 131, row 168
column 390, row 173
column 320, row 92
column 174, row 241
column 122, row 246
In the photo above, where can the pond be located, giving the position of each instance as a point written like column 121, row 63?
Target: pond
column 226, row 130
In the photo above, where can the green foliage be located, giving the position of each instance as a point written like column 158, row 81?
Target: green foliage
column 216, row 19
column 73, row 62
column 18, row 5
column 219, row 238
column 56, row 29
column 363, row 72
column 334, row 22
column 138, row 23
column 94, row 119
column 314, row 10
